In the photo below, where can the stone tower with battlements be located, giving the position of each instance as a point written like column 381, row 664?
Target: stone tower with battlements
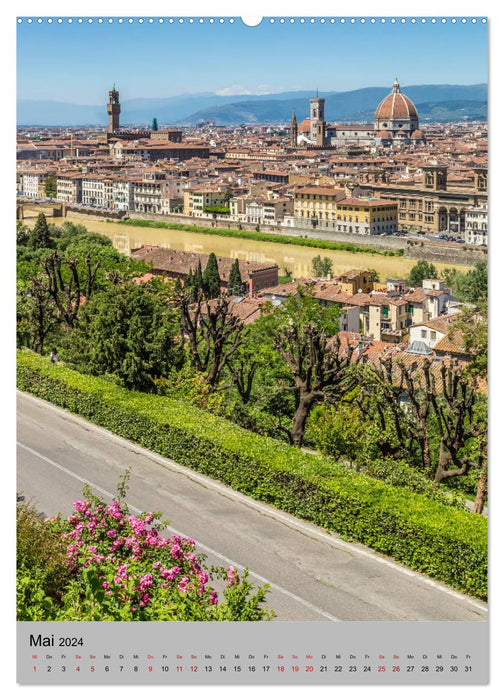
column 113, row 110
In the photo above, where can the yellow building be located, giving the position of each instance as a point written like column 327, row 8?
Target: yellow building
column 315, row 206
column 333, row 208
column 366, row 216
column 197, row 200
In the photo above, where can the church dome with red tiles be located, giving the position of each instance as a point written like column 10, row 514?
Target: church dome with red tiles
column 396, row 113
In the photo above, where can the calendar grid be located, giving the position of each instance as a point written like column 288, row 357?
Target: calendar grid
column 240, row 653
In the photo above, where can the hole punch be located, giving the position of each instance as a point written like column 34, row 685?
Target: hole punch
column 252, row 21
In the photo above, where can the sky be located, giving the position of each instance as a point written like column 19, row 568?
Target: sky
column 79, row 62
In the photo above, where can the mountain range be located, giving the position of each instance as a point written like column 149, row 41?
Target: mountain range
column 433, row 103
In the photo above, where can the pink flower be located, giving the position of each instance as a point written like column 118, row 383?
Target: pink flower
column 81, row 506
column 232, row 576
column 170, row 574
column 146, row 582
column 176, row 551
column 203, row 577
column 184, row 584
column 213, row 597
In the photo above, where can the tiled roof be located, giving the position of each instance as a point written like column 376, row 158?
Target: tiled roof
column 181, row 261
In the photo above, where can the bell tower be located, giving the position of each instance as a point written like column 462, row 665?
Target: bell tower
column 294, row 130
column 113, row 109
column 317, row 105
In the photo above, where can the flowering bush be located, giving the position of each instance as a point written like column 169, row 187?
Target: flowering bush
column 119, row 567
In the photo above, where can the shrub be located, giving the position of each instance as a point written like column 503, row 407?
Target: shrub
column 430, row 537
column 119, row 568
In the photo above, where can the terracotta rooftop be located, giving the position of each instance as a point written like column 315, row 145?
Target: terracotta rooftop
column 180, row 262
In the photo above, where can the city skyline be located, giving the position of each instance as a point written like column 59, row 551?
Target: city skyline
column 229, row 59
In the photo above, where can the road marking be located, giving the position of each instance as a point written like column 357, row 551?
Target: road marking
column 200, row 545
column 291, row 521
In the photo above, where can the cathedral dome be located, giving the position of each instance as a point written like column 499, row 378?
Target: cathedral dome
column 384, row 134
column 396, row 106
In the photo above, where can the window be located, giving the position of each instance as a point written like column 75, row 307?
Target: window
column 433, row 335
column 424, row 334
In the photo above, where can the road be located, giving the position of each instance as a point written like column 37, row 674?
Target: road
column 314, row 575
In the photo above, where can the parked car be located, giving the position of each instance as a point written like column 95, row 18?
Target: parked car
column 459, row 239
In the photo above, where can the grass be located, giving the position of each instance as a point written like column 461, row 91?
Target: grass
column 264, row 237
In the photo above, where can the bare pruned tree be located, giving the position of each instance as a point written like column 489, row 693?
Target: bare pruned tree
column 67, row 286
column 454, row 408
column 214, row 333
column 319, row 365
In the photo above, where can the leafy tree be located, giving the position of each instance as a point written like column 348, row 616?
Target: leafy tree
column 22, row 234
column 127, row 331
column 423, row 270
column 211, row 278
column 50, row 188
column 472, row 286
column 40, row 236
column 473, row 325
column 154, row 125
column 339, row 431
column 235, row 284
column 321, row 267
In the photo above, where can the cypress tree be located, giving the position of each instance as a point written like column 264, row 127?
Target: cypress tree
column 40, row 236
column 154, row 126
column 235, row 284
column 211, row 279
column 189, row 283
column 198, row 280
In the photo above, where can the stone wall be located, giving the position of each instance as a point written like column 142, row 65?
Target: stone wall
column 77, row 212
column 449, row 253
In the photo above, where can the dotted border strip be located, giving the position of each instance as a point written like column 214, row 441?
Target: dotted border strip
column 265, row 20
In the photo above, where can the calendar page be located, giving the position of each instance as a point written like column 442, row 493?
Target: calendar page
column 252, row 300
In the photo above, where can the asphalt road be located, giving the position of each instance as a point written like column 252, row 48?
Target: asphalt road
column 314, row 575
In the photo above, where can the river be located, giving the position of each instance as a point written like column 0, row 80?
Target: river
column 291, row 259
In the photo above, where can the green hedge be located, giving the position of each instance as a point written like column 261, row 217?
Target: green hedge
column 260, row 236
column 432, row 538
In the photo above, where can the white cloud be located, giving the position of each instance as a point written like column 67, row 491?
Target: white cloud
column 240, row 90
